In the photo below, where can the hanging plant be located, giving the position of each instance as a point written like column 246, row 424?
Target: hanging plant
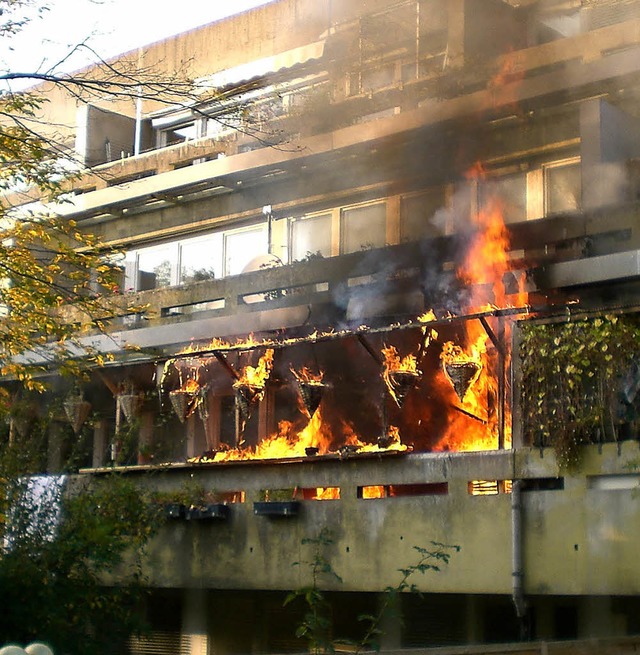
column 77, row 410
column 579, row 382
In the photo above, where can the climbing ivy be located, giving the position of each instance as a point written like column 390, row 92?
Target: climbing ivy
column 580, row 379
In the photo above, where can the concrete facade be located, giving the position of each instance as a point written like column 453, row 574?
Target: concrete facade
column 325, row 218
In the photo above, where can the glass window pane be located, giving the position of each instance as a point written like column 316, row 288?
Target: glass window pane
column 201, row 259
column 364, row 227
column 156, row 266
column 511, row 192
column 418, row 219
column 242, row 246
column 310, row 236
column 563, row 188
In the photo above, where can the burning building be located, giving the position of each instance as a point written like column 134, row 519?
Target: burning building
column 336, row 288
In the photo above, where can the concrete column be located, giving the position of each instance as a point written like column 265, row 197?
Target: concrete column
column 266, row 414
column 391, row 625
column 596, row 619
column 609, row 137
column 100, row 442
column 475, row 632
column 55, row 447
column 190, row 426
column 455, row 41
column 145, row 437
column 194, row 621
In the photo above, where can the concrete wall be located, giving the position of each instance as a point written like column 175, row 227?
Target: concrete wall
column 577, row 540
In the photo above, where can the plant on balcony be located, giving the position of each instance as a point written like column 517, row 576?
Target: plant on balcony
column 580, row 382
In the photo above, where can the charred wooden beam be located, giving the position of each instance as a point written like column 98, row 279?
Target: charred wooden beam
column 468, row 413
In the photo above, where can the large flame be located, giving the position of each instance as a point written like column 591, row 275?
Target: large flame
column 257, row 376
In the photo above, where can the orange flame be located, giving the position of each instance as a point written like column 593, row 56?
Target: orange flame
column 257, row 376
column 306, row 375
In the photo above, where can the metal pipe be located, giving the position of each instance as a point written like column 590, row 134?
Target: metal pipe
column 517, row 561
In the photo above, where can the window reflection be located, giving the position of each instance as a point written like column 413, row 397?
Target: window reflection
column 155, row 267
column 418, row 216
column 201, row 259
column 510, row 192
column 563, row 187
column 364, row 227
column 311, row 235
column 241, row 247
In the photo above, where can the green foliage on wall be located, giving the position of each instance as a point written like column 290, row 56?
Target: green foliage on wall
column 580, row 379
column 316, row 625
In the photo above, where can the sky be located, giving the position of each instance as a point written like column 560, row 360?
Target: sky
column 112, row 26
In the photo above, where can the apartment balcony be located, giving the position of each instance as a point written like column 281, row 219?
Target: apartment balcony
column 577, row 528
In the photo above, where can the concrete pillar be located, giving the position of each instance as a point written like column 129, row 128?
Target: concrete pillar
column 609, row 138
column 391, row 625
column 145, row 437
column 475, row 627
column 266, row 414
column 195, row 631
column 455, row 40
column 190, row 426
column 55, row 447
column 596, row 619
column 100, row 442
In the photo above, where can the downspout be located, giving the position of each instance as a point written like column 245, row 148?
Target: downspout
column 137, row 137
column 517, row 564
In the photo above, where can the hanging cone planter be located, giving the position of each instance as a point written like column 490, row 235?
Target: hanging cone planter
column 246, row 396
column 204, row 412
column 311, row 393
column 77, row 411
column 400, row 382
column 131, row 404
column 461, row 375
column 22, row 424
column 184, row 402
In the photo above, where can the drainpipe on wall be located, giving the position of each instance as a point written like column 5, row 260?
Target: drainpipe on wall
column 137, row 138
column 517, row 565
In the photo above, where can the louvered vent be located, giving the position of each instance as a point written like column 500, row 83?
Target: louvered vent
column 168, row 643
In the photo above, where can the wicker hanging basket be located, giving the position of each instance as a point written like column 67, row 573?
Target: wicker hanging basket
column 311, row 393
column 77, row 410
column 461, row 375
column 401, row 382
column 131, row 403
column 183, row 402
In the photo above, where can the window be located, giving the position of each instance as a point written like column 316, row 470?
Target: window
column 511, row 193
column 418, row 216
column 208, row 257
column 178, row 134
column 562, row 186
column 310, row 235
column 363, row 227
column 377, row 77
column 242, row 247
column 154, row 267
column 201, row 259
